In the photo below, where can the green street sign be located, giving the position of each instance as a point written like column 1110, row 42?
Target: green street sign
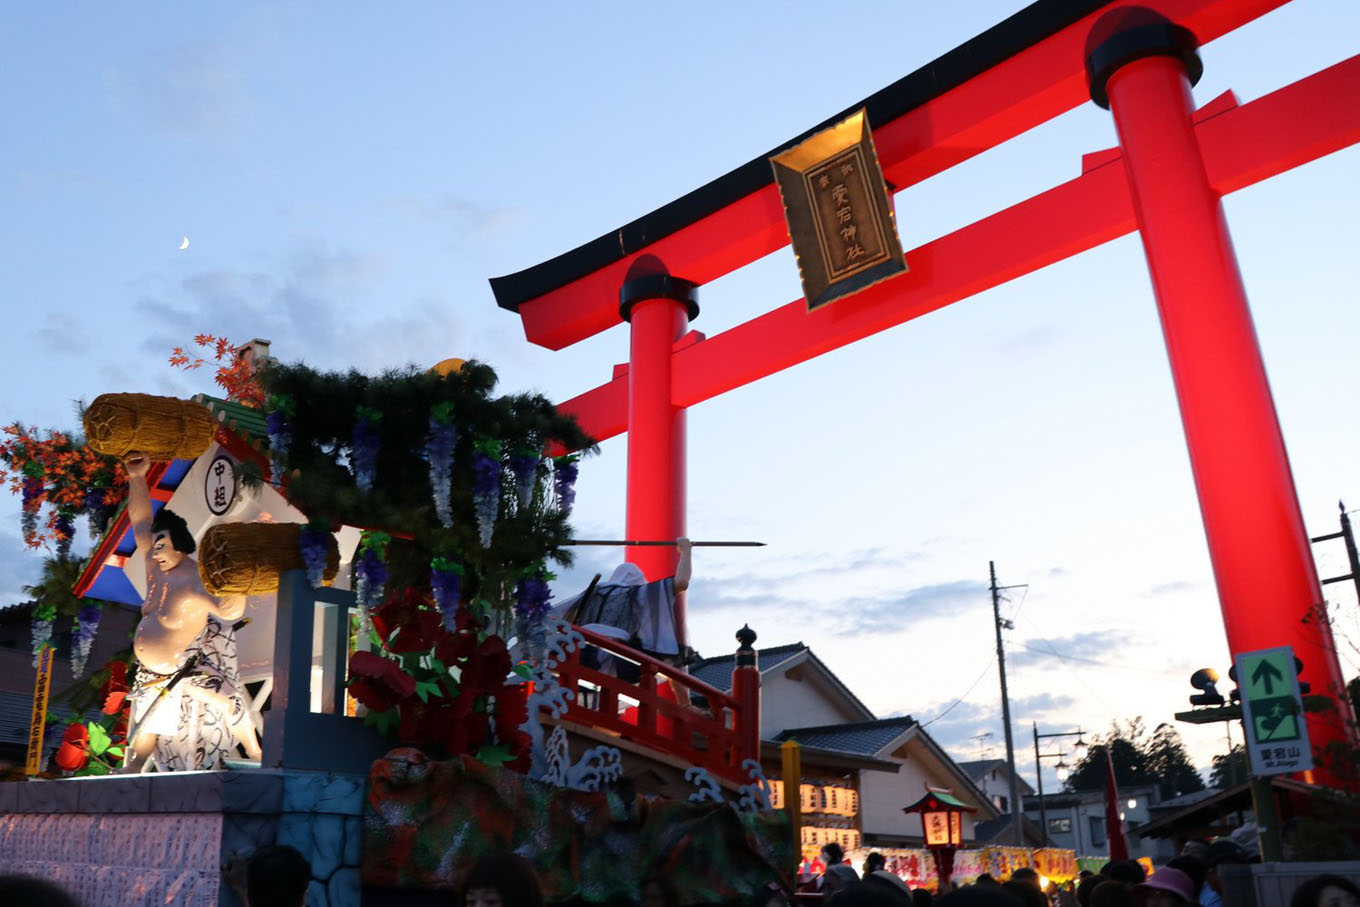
column 1272, row 712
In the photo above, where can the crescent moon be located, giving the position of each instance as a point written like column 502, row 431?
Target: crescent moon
column 184, row 244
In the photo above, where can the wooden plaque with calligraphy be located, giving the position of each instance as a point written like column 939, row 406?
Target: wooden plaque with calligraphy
column 838, row 211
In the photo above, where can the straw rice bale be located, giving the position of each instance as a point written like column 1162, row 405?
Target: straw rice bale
column 164, row 428
column 249, row 558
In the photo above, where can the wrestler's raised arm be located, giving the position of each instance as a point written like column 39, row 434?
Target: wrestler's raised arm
column 229, row 608
column 683, row 569
column 139, row 500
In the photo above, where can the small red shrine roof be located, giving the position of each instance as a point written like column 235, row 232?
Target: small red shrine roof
column 938, row 800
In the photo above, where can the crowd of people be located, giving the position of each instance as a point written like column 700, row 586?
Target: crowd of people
column 279, row 876
column 1190, row 879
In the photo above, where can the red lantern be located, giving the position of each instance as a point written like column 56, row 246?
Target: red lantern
column 942, row 819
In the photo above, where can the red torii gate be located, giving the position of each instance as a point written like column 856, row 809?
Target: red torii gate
column 1165, row 180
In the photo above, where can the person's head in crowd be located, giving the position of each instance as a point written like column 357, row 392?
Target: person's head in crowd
column 502, row 880
column 867, row 894
column 277, row 876
column 1221, row 853
column 921, row 897
column 1026, row 874
column 890, row 882
column 832, row 853
column 1109, row 893
column 1088, row 884
column 1326, row 891
column 660, row 891
column 980, row 896
column 874, row 862
column 986, row 879
column 1130, row 872
column 1167, row 887
column 1197, row 848
column 768, row 895
column 1028, row 893
column 27, row 891
column 1191, row 866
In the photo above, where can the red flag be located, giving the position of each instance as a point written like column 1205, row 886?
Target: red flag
column 1114, row 826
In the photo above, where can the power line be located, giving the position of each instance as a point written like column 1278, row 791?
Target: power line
column 1049, row 650
column 970, row 689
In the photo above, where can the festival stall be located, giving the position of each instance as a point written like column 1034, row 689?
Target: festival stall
column 916, row 867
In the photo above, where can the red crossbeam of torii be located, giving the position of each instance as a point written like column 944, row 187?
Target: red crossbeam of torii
column 1165, row 180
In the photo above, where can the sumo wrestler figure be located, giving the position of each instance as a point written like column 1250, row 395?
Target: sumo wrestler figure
column 197, row 722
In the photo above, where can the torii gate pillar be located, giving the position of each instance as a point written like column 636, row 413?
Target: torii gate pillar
column 658, row 308
column 1267, row 582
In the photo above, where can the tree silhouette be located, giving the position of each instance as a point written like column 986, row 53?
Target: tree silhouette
column 1138, row 759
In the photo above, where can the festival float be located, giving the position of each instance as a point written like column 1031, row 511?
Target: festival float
column 346, row 645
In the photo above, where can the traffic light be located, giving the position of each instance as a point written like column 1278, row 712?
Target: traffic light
column 1204, row 680
column 1304, row 687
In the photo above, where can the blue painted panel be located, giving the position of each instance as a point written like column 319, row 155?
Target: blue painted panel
column 112, row 585
column 127, row 544
column 174, row 474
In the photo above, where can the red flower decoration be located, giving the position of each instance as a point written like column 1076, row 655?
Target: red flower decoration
column 485, row 671
column 422, row 722
column 114, row 692
column 512, row 709
column 454, row 648
column 74, row 752
column 118, row 736
column 405, row 624
column 378, row 682
column 463, row 736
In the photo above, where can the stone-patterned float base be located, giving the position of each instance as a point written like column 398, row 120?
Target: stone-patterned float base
column 164, row 839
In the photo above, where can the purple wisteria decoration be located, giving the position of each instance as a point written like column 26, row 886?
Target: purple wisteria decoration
column 280, row 434
column 532, row 597
column 364, row 444
column 82, row 637
column 370, row 575
column 446, row 582
column 44, row 616
column 439, row 444
column 564, row 481
column 97, row 509
column 31, row 490
column 486, row 487
column 314, row 547
column 524, row 467
column 65, row 531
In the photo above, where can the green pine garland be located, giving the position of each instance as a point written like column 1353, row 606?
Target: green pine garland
column 399, row 502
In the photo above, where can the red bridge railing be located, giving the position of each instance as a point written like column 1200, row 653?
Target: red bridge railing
column 666, row 709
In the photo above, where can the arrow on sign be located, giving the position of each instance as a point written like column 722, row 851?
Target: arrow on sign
column 1264, row 673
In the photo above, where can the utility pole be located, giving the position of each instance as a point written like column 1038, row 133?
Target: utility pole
column 1017, row 813
column 1352, row 555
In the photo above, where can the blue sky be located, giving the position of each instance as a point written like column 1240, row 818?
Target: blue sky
column 350, row 176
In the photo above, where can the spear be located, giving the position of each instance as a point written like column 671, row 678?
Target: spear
column 640, row 542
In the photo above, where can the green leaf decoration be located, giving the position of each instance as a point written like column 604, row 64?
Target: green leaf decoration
column 99, row 739
column 281, row 403
column 489, row 446
column 523, row 670
column 427, row 688
column 383, row 721
column 447, row 564
column 496, row 754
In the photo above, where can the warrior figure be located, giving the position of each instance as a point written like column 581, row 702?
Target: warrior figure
column 196, row 722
